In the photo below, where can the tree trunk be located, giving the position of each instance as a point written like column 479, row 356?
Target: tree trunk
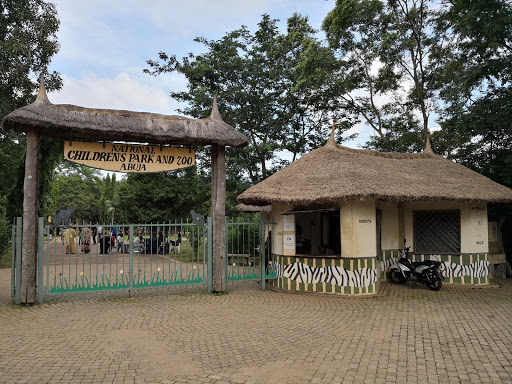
column 30, row 220
column 219, row 216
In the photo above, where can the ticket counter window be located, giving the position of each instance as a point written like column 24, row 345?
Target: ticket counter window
column 318, row 233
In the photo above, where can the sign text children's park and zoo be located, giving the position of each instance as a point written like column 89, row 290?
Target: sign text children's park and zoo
column 129, row 157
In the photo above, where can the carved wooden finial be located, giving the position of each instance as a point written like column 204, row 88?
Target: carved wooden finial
column 214, row 114
column 41, row 96
column 428, row 149
column 332, row 140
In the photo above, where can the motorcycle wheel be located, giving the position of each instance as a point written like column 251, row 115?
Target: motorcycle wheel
column 397, row 277
column 435, row 286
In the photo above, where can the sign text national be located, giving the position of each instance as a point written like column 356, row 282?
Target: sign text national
column 129, row 157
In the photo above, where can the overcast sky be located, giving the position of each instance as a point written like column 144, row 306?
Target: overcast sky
column 105, row 45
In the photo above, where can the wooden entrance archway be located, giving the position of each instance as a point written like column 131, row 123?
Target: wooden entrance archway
column 71, row 122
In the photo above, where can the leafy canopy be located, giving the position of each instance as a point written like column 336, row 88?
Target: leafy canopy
column 262, row 92
column 28, row 41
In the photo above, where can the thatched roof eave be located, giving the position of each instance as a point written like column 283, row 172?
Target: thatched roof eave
column 71, row 122
column 332, row 175
column 255, row 202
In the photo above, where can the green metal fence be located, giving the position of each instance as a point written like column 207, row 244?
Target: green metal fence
column 124, row 257
column 16, row 260
column 243, row 258
column 166, row 254
column 249, row 253
column 270, row 257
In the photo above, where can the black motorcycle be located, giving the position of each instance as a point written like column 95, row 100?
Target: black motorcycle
column 427, row 272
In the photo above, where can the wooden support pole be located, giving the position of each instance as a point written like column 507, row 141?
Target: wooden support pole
column 219, row 216
column 30, row 220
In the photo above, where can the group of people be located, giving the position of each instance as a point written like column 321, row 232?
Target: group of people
column 123, row 241
column 69, row 236
column 109, row 239
column 84, row 235
column 139, row 241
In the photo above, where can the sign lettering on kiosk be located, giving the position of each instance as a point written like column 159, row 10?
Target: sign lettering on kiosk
column 129, row 157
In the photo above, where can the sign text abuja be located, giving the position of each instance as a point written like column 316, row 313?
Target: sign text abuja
column 129, row 157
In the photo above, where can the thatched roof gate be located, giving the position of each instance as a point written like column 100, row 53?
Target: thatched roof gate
column 71, row 122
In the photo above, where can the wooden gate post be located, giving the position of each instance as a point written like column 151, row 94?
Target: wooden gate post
column 30, row 220
column 219, row 216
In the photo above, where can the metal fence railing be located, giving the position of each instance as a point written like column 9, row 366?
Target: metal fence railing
column 124, row 257
column 93, row 257
column 249, row 253
column 243, row 257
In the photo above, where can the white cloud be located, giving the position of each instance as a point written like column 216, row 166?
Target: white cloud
column 120, row 92
column 105, row 45
column 186, row 19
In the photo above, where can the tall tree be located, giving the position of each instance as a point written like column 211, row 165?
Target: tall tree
column 411, row 44
column 476, row 85
column 387, row 72
column 28, row 41
column 11, row 154
column 157, row 197
column 356, row 31
column 79, row 187
column 260, row 94
column 109, row 199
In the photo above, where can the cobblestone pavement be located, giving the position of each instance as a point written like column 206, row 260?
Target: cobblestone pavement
column 404, row 334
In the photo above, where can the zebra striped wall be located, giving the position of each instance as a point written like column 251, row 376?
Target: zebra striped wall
column 471, row 269
column 327, row 275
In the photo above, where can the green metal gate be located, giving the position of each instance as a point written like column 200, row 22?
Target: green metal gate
column 16, row 248
column 249, row 253
column 17, row 229
column 167, row 254
column 125, row 257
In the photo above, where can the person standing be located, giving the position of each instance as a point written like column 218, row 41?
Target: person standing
column 94, row 233
column 100, row 232
column 120, row 246
column 138, row 245
column 86, row 240
column 69, row 239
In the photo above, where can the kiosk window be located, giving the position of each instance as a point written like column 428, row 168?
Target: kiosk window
column 312, row 229
column 436, row 231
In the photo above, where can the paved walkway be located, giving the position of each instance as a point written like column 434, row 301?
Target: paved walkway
column 402, row 335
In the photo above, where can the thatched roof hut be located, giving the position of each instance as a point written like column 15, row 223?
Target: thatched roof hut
column 333, row 174
column 71, row 122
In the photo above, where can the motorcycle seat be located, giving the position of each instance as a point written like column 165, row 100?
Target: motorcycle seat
column 426, row 262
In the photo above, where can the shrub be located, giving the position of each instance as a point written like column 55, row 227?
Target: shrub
column 5, row 237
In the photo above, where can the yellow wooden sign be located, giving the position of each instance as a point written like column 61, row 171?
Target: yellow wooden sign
column 129, row 157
